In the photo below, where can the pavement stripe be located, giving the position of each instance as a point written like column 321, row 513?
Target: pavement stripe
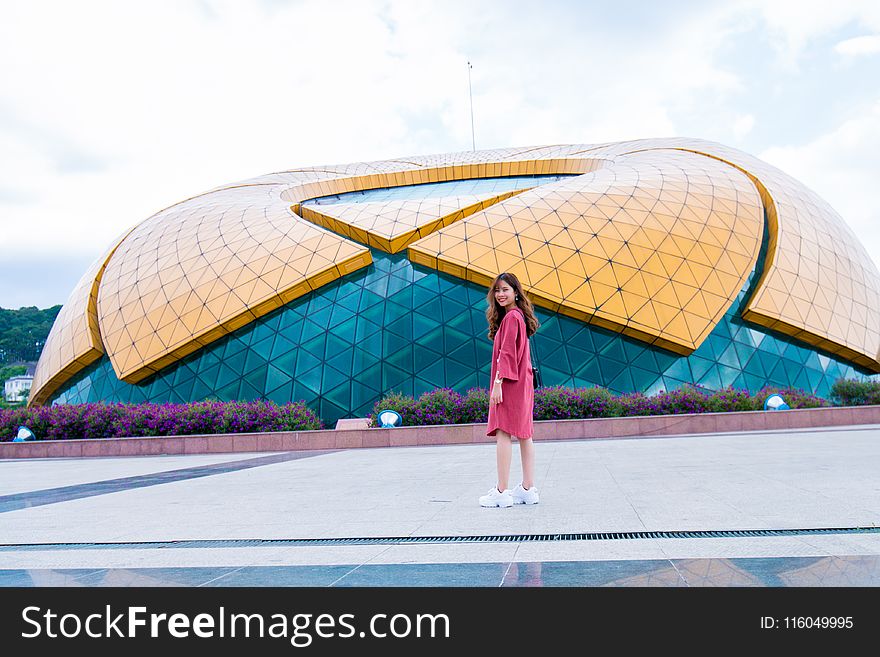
column 91, row 489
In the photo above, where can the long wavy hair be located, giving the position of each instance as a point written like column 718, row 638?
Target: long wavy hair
column 495, row 312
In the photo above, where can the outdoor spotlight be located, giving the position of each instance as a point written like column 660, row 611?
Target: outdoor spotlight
column 389, row 418
column 775, row 403
column 24, row 434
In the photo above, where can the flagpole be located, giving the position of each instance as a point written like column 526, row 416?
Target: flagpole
column 471, row 93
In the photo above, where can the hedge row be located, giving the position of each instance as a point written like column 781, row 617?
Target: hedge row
column 69, row 421
column 848, row 392
column 445, row 406
column 441, row 406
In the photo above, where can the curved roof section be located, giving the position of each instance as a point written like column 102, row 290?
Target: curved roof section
column 819, row 285
column 655, row 245
column 214, row 262
column 394, row 225
column 206, row 267
column 75, row 339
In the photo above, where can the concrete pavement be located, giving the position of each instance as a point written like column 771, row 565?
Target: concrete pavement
column 243, row 514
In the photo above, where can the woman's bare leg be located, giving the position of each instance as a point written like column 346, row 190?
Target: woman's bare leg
column 527, row 454
column 503, row 456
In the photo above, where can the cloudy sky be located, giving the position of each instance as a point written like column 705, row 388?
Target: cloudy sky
column 111, row 111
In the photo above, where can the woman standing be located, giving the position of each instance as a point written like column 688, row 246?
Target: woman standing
column 512, row 394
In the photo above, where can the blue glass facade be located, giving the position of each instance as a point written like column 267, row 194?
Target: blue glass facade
column 399, row 326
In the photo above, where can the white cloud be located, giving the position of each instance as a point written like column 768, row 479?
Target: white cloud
column 111, row 111
column 743, row 125
column 793, row 25
column 842, row 167
column 863, row 45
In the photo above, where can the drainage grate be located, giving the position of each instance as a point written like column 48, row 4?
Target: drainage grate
column 404, row 540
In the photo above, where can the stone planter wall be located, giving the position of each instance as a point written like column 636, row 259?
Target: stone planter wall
column 351, row 434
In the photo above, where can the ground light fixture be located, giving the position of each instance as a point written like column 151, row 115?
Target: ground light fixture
column 389, row 418
column 24, row 434
column 775, row 403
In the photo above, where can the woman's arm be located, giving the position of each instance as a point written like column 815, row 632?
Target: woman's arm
column 508, row 334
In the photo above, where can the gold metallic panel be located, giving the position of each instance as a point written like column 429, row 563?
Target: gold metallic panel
column 433, row 170
column 394, row 225
column 199, row 270
column 75, row 340
column 819, row 284
column 656, row 246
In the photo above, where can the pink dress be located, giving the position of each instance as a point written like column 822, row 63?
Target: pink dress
column 512, row 359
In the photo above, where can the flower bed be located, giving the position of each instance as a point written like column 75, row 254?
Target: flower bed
column 437, row 407
column 849, row 392
column 74, row 421
column 445, row 406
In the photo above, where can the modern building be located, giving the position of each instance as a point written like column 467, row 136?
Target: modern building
column 652, row 263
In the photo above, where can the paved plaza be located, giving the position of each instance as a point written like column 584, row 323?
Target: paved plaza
column 625, row 512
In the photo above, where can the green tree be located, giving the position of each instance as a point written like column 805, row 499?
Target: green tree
column 8, row 371
column 23, row 333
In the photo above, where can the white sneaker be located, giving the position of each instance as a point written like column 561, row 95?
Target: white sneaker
column 522, row 496
column 494, row 498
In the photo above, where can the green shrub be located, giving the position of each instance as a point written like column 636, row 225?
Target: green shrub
column 794, row 397
column 636, row 403
column 849, row 392
column 475, row 407
column 730, row 399
column 440, row 406
column 561, row 403
column 395, row 401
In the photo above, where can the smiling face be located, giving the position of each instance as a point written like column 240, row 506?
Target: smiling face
column 505, row 295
